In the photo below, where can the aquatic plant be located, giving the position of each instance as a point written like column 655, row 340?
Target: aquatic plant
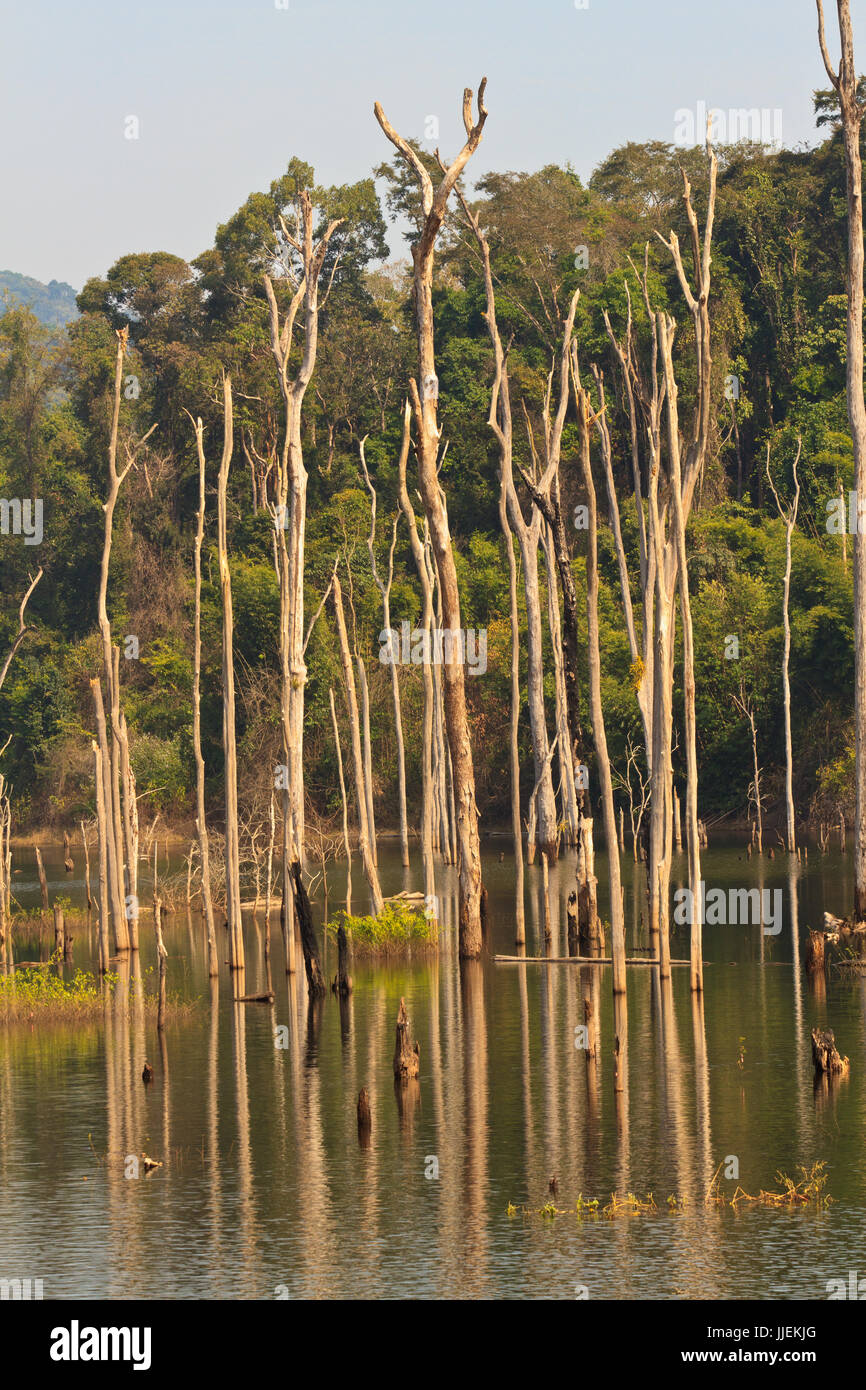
column 398, row 927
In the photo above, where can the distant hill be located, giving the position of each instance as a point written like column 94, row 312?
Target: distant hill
column 53, row 304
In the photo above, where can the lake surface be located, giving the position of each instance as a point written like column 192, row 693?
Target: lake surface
column 266, row 1191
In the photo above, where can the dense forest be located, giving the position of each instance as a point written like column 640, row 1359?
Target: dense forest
column 777, row 310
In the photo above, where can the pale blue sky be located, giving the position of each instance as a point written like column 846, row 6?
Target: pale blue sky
column 227, row 90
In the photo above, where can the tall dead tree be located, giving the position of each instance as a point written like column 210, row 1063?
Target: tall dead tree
column 201, row 822
column 617, row 921
column 232, row 850
column 852, row 109
column 426, row 621
column 289, row 511
column 385, row 593
column 789, row 516
column 646, row 395
column 425, row 408
column 23, row 629
column 357, row 755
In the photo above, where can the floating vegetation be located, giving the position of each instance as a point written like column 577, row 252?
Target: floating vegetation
column 807, row 1191
column 398, row 928
column 591, row 1206
column 38, row 995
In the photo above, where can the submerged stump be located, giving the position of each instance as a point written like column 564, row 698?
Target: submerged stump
column 365, row 1119
column 407, row 1055
column 825, row 1056
column 342, row 983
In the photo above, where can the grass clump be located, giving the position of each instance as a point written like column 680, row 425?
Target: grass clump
column 38, row 995
column 400, row 927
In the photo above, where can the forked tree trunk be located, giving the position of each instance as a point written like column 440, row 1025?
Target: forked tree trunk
column 290, row 520
column 845, row 82
column 232, row 852
column 425, row 404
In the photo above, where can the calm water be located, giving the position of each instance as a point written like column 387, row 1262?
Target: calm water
column 265, row 1187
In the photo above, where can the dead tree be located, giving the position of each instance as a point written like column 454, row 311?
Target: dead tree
column 425, row 409
column 746, row 708
column 289, row 512
column 426, row 623
column 201, row 822
column 845, row 84
column 23, row 629
column 617, row 934
column 346, row 842
column 232, row 847
column 646, row 395
column 385, row 593
column 315, row 979
column 102, row 842
column 789, row 516
column 357, row 756
column 666, row 337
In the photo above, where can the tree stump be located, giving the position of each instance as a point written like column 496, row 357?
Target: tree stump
column 825, row 1057
column 815, row 953
column 59, row 933
column 407, row 1055
column 342, row 984
column 365, row 1119
column 572, row 928
column 304, row 914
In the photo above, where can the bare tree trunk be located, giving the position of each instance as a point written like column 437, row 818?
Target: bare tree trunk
column 666, row 332
column 86, row 867
column 368, row 758
column 102, row 840
column 513, row 747
column 290, row 519
column 617, row 934
column 570, row 813
column 201, row 820
column 845, row 82
column 346, row 840
column 789, row 516
column 427, row 674
column 43, row 882
column 385, row 592
column 425, row 405
column 130, row 833
column 107, row 837
column 232, row 852
column 357, row 757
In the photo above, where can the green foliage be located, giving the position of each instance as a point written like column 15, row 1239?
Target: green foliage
column 399, row 927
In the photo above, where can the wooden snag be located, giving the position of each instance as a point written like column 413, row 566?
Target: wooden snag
column 304, row 914
column 407, row 1055
column 825, row 1057
column 342, row 983
column 365, row 1119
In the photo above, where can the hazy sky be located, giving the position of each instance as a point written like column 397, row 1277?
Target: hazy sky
column 225, row 91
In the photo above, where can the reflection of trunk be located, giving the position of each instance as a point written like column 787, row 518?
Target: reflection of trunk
column 847, row 85
column 425, row 403
column 232, row 851
column 357, row 756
